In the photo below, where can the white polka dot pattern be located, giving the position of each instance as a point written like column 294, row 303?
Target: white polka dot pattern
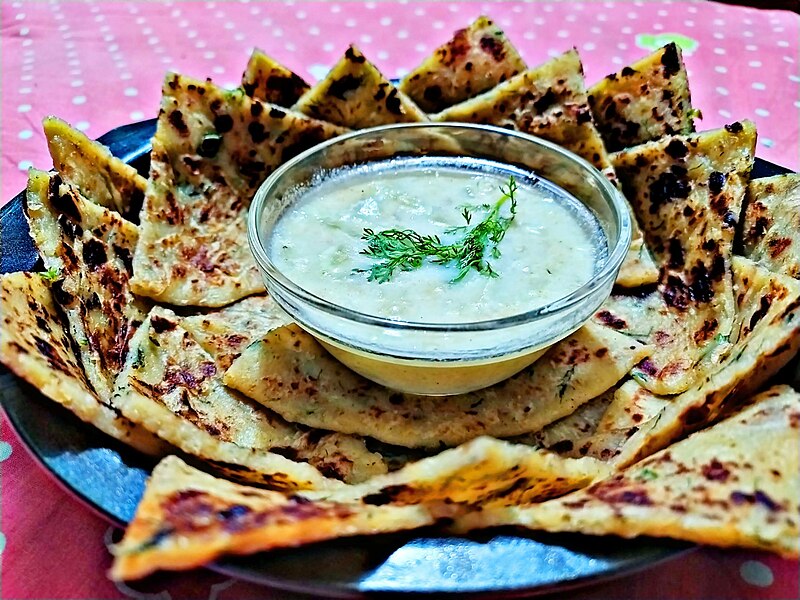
column 100, row 64
column 756, row 573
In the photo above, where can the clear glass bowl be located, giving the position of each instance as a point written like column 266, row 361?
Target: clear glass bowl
column 440, row 358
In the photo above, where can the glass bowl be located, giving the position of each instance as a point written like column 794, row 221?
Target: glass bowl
column 440, row 358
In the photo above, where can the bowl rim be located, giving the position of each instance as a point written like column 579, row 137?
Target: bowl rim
column 612, row 264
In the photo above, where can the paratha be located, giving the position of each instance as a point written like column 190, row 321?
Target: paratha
column 603, row 425
column 269, row 81
column 687, row 192
column 550, row 101
column 476, row 59
column 171, row 386
column 481, row 473
column 225, row 333
column 355, row 94
column 211, row 151
column 290, row 373
column 771, row 228
column 93, row 170
column 36, row 345
column 559, row 436
column 188, row 518
column 88, row 250
column 732, row 485
column 172, row 529
column 645, row 101
column 765, row 336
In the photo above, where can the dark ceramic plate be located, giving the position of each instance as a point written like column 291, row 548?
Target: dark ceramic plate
column 110, row 479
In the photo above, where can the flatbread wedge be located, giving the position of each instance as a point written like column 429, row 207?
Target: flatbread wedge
column 550, row 101
column 87, row 249
column 771, row 228
column 481, row 473
column 290, row 373
column 687, row 192
column 355, row 94
column 211, row 151
column 765, row 336
column 645, row 101
column 560, row 436
column 225, row 333
column 602, row 426
column 93, row 170
column 171, row 386
column 735, row 484
column 269, row 81
column 476, row 59
column 188, row 518
column 172, row 528
column 36, row 345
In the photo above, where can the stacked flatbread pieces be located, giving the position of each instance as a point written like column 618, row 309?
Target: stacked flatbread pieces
column 590, row 438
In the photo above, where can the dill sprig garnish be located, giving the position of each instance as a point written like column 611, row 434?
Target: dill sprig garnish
column 406, row 250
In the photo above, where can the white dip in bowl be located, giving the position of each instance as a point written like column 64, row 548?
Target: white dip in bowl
column 443, row 272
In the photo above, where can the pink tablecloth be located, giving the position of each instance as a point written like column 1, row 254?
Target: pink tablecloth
column 99, row 65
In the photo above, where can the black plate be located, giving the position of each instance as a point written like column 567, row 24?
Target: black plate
column 110, row 479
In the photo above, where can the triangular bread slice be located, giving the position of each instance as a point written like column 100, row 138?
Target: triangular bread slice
column 476, row 59
column 225, row 333
column 645, row 101
column 550, row 101
column 171, row 529
column 766, row 335
column 290, row 373
column 172, row 387
column 93, row 170
column 687, row 192
column 771, row 228
column 735, row 484
column 88, row 250
column 269, row 81
column 355, row 94
column 211, row 151
column 36, row 345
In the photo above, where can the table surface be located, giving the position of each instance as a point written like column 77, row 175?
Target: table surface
column 100, row 65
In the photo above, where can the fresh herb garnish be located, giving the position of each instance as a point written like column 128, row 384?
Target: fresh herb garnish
column 695, row 113
column 52, row 274
column 646, row 475
column 406, row 250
